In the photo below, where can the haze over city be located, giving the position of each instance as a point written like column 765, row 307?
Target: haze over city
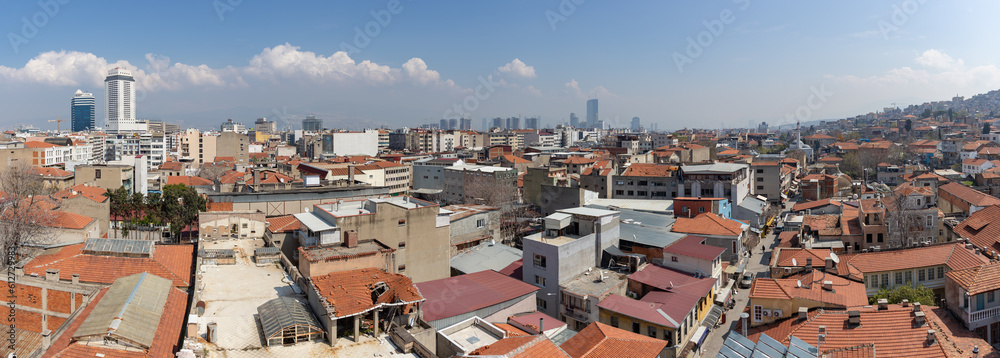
column 675, row 64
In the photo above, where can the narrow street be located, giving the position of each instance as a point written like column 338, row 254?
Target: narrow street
column 758, row 265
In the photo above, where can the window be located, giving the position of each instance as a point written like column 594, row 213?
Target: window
column 635, row 327
column 909, row 277
column 619, row 182
column 614, row 321
column 701, row 209
column 760, row 179
column 619, row 192
column 758, row 313
column 480, row 223
column 402, row 244
column 899, row 278
column 921, row 276
column 97, row 174
column 868, row 238
column 643, row 182
column 652, row 330
column 930, row 274
column 760, row 171
column 760, row 187
column 540, row 280
column 872, row 281
column 990, row 296
column 673, row 258
column 402, row 222
column 940, row 272
column 885, row 279
column 542, row 305
column 684, row 209
column 539, row 261
column 630, row 192
column 641, row 193
column 244, row 225
column 880, row 237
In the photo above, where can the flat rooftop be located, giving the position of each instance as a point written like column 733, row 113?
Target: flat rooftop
column 326, row 253
column 557, row 241
column 591, row 284
column 473, row 337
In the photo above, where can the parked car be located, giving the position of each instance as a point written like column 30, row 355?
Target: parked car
column 746, row 281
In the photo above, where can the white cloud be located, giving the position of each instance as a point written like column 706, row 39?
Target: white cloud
column 573, row 88
column 937, row 70
column 518, row 69
column 532, row 90
column 288, row 62
column 937, row 60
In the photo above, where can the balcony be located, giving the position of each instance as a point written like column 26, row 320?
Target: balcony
column 576, row 313
column 981, row 317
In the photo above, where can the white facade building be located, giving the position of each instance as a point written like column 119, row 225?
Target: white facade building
column 119, row 94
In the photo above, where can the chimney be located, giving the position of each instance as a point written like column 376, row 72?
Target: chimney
column 350, row 173
column 52, row 275
column 828, row 285
column 803, row 313
column 350, row 238
column 46, row 339
column 809, row 263
column 969, row 246
column 540, row 329
column 905, row 302
column 883, row 304
column 853, row 318
column 76, row 278
column 919, row 318
column 19, row 270
column 931, row 340
column 829, row 264
column 916, row 307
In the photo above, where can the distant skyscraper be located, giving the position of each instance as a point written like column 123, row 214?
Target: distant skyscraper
column 119, row 92
column 574, row 121
column 531, row 123
column 762, row 128
column 497, row 123
column 453, row 123
column 82, row 111
column 311, row 123
column 514, row 123
column 592, row 113
column 465, row 124
column 443, row 124
column 263, row 125
column 635, row 123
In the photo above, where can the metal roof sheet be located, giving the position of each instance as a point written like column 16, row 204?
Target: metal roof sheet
column 131, row 310
column 118, row 246
column 485, row 257
column 279, row 313
column 313, row 222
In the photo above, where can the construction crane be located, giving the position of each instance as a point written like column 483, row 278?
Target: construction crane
column 58, row 122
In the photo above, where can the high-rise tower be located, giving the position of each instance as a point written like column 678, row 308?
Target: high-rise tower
column 592, row 113
column 82, row 111
column 119, row 92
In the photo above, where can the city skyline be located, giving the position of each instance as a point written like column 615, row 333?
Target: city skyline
column 755, row 57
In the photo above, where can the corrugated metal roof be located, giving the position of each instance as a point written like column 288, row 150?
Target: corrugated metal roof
column 118, row 246
column 266, row 250
column 313, row 222
column 279, row 313
column 651, row 205
column 586, row 211
column 453, row 296
column 130, row 310
column 485, row 257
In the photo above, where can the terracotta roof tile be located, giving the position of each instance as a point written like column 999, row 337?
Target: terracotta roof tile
column 521, row 347
column 846, row 293
column 978, row 279
column 982, row 228
column 68, row 220
column 169, row 261
column 188, row 180
column 350, row 292
column 50, row 172
column 708, row 224
column 803, row 205
column 599, row 340
column 955, row 256
column 90, row 192
column 784, row 256
column 650, row 170
column 283, row 224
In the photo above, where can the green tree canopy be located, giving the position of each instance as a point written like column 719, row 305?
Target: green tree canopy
column 896, row 294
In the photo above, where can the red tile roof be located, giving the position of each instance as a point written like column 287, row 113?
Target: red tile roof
column 803, row 205
column 809, row 286
column 169, row 261
column 172, row 166
column 50, row 172
column 188, row 180
column 891, row 332
column 510, row 330
column 578, row 160
column 955, row 256
column 514, row 270
column 219, row 206
column 452, row 296
column 650, row 170
column 982, row 228
column 521, row 347
column 90, row 192
column 694, row 246
column 283, row 224
column 968, row 194
column 350, row 292
column 599, row 340
column 708, row 224
column 977, row 279
column 68, row 220
column 39, row 144
column 515, row 159
column 783, row 257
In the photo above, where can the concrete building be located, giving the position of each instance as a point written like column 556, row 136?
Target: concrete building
column 646, row 181
column 119, row 95
column 350, row 143
column 720, row 180
column 573, row 241
column 768, row 179
column 579, row 296
column 472, row 225
column 106, row 176
column 234, row 145
column 231, row 224
column 419, row 231
column 461, row 182
column 312, row 124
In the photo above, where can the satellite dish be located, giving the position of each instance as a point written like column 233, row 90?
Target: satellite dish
column 836, row 259
column 794, row 262
column 798, row 283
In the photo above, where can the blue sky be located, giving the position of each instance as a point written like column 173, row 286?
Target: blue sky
column 198, row 67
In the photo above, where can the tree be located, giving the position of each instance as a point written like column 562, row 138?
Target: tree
column 986, row 128
column 909, row 125
column 897, row 294
column 927, row 113
column 179, row 206
column 905, row 220
column 24, row 217
column 501, row 192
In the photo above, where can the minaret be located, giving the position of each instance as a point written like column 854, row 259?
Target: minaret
column 798, row 135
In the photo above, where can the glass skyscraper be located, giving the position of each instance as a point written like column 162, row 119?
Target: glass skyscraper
column 82, row 111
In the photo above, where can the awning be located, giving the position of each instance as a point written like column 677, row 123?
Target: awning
column 723, row 295
column 731, row 269
column 699, row 335
column 712, row 316
column 742, row 267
